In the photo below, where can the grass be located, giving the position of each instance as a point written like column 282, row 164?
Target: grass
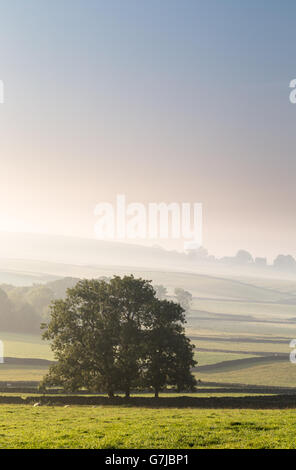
column 23, row 426
column 14, row 372
column 262, row 311
column 115, row 428
column 207, row 358
column 281, row 374
column 248, row 347
column 251, row 328
column 25, row 345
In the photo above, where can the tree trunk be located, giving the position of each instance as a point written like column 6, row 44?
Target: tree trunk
column 111, row 394
column 156, row 393
column 127, row 393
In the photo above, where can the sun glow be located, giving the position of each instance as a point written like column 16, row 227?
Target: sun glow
column 13, row 224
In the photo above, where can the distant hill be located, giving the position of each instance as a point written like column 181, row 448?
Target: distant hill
column 71, row 250
column 30, row 256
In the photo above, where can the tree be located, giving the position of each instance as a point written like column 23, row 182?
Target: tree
column 134, row 299
column 180, row 374
column 197, row 254
column 83, row 332
column 169, row 354
column 6, row 311
column 95, row 334
column 108, row 336
column 39, row 297
column 160, row 291
column 60, row 286
column 184, row 298
column 243, row 257
column 285, row 262
column 17, row 316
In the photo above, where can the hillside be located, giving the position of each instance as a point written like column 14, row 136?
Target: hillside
column 241, row 327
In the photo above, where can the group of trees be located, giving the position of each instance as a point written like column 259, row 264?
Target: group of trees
column 183, row 297
column 18, row 314
column 244, row 258
column 282, row 262
column 116, row 335
column 22, row 309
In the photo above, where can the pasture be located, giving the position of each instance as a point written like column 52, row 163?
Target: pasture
column 231, row 319
column 23, row 426
column 241, row 328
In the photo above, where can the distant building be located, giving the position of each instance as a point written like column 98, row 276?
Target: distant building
column 261, row 261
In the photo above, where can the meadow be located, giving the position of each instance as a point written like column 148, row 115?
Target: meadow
column 25, row 346
column 241, row 329
column 231, row 319
column 138, row 428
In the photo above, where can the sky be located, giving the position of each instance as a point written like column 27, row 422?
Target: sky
column 174, row 101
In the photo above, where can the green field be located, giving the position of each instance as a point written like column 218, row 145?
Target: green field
column 15, row 372
column 273, row 374
column 233, row 322
column 205, row 358
column 230, row 319
column 26, row 346
column 124, row 427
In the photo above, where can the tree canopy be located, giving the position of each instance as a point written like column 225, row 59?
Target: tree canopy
column 184, row 298
column 115, row 335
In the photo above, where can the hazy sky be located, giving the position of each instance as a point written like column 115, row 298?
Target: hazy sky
column 162, row 100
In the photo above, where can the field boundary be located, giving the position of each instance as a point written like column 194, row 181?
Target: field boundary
column 255, row 402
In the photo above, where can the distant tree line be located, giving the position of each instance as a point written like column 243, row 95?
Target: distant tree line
column 243, row 258
column 116, row 335
column 183, row 297
column 23, row 308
